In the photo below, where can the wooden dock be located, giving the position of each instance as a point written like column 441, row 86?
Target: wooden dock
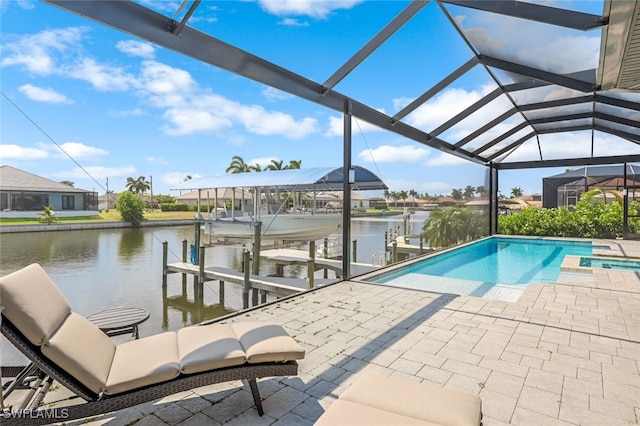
column 404, row 249
column 275, row 286
column 286, row 257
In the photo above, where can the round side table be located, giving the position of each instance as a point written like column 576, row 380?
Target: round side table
column 117, row 321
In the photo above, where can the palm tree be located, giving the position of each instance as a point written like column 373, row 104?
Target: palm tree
column 294, row 164
column 237, row 165
column 188, row 177
column 403, row 196
column 468, row 192
column 386, row 195
column 480, row 190
column 395, row 196
column 516, row 192
column 67, row 182
column 445, row 228
column 276, row 165
column 456, row 194
column 413, row 194
column 255, row 168
column 138, row 186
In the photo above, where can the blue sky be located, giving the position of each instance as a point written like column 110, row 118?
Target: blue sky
column 121, row 107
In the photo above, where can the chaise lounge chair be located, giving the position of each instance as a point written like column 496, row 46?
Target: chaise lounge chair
column 65, row 347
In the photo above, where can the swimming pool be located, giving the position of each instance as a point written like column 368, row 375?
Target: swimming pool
column 495, row 267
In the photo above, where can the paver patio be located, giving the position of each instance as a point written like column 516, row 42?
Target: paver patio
column 563, row 354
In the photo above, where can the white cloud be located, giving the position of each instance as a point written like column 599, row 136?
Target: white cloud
column 103, row 77
column 35, row 52
column 262, row 122
column 572, row 145
column 136, row 48
column 565, row 54
column 157, row 160
column 42, row 94
column 315, row 9
column 173, row 179
column 446, row 105
column 445, row 160
column 292, row 22
column 394, row 154
column 25, row 4
column 166, row 83
column 432, row 188
column 336, row 126
column 192, row 121
column 16, row 152
column 210, row 112
column 75, row 150
column 556, row 49
column 136, row 112
column 273, row 94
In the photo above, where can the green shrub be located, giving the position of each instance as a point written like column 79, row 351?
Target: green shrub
column 589, row 219
column 176, row 207
column 47, row 215
column 131, row 207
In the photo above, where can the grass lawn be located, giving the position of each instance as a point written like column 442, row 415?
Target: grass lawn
column 113, row 215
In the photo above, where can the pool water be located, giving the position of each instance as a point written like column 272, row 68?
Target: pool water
column 594, row 262
column 495, row 267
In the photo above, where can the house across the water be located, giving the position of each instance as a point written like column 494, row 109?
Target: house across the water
column 25, row 195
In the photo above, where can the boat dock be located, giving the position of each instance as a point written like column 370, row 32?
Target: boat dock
column 276, row 286
column 401, row 247
column 249, row 279
column 285, row 257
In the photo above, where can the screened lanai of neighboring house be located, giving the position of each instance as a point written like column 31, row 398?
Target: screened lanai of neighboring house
column 557, row 85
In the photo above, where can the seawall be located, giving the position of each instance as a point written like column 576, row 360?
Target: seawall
column 52, row 227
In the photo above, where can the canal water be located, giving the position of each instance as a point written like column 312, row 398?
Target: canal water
column 99, row 269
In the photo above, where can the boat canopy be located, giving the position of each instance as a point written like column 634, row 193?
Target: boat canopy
column 312, row 179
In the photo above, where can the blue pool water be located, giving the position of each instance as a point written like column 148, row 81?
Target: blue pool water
column 476, row 269
column 594, row 262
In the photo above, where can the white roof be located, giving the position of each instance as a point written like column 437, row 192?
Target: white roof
column 313, row 179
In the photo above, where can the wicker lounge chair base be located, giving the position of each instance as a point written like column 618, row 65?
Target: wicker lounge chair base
column 41, row 415
column 64, row 347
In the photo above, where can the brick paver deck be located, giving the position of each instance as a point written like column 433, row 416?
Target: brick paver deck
column 563, row 354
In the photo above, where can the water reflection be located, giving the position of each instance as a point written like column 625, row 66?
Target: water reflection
column 131, row 242
column 193, row 309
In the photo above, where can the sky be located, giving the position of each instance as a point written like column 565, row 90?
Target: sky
column 85, row 103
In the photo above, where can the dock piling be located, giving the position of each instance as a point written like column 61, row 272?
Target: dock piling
column 257, row 234
column 165, row 251
column 310, row 272
column 394, row 251
column 197, row 240
column 184, row 260
column 325, row 254
column 246, row 283
column 201, row 265
column 354, row 251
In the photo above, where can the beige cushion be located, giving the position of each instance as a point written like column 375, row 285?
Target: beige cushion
column 208, row 347
column 418, row 400
column 265, row 342
column 33, row 303
column 343, row 413
column 143, row 362
column 82, row 350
